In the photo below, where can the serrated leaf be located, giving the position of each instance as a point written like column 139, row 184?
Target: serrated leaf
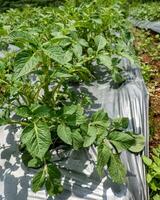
column 38, row 181
column 37, row 138
column 53, row 188
column 121, row 123
column 53, row 181
column 50, row 176
column 23, row 37
column 42, row 111
column 89, row 140
column 64, row 133
column 53, row 171
column 77, row 139
column 90, row 137
column 23, row 111
column 77, row 118
column 100, row 42
column 26, row 62
column 70, row 110
column 58, row 55
column 104, row 124
column 100, row 116
column 116, row 169
column 92, row 130
column 121, row 141
column 139, row 144
column 103, row 157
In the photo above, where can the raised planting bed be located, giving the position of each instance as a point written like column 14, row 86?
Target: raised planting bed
column 74, row 106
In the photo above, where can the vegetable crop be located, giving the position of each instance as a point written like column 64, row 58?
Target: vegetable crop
column 146, row 11
column 55, row 51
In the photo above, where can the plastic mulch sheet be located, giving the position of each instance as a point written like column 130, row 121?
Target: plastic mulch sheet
column 154, row 26
column 80, row 178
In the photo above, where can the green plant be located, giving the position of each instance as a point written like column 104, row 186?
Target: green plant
column 146, row 11
column 6, row 5
column 55, row 52
column 153, row 174
column 147, row 72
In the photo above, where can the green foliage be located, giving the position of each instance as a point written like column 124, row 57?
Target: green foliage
column 146, row 11
column 153, row 173
column 146, row 72
column 7, row 4
column 50, row 177
column 56, row 49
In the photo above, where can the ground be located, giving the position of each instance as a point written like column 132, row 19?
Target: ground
column 147, row 46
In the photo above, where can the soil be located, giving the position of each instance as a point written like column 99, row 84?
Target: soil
column 153, row 87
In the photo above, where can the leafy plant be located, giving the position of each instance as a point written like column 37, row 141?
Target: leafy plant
column 153, row 175
column 54, row 54
column 146, row 11
column 5, row 5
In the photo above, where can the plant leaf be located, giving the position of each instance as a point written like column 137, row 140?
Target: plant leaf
column 42, row 111
column 139, row 143
column 90, row 137
column 35, row 163
column 23, row 111
column 22, row 37
column 26, row 62
column 104, row 153
column 38, row 181
column 53, row 182
column 116, row 169
column 70, row 110
column 77, row 49
column 58, row 55
column 100, row 116
column 100, row 42
column 64, row 133
column 37, row 139
column 121, row 123
column 122, row 141
column 77, row 140
column 106, row 60
column 147, row 161
column 83, row 42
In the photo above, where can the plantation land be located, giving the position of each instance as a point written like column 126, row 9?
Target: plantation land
column 56, row 48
